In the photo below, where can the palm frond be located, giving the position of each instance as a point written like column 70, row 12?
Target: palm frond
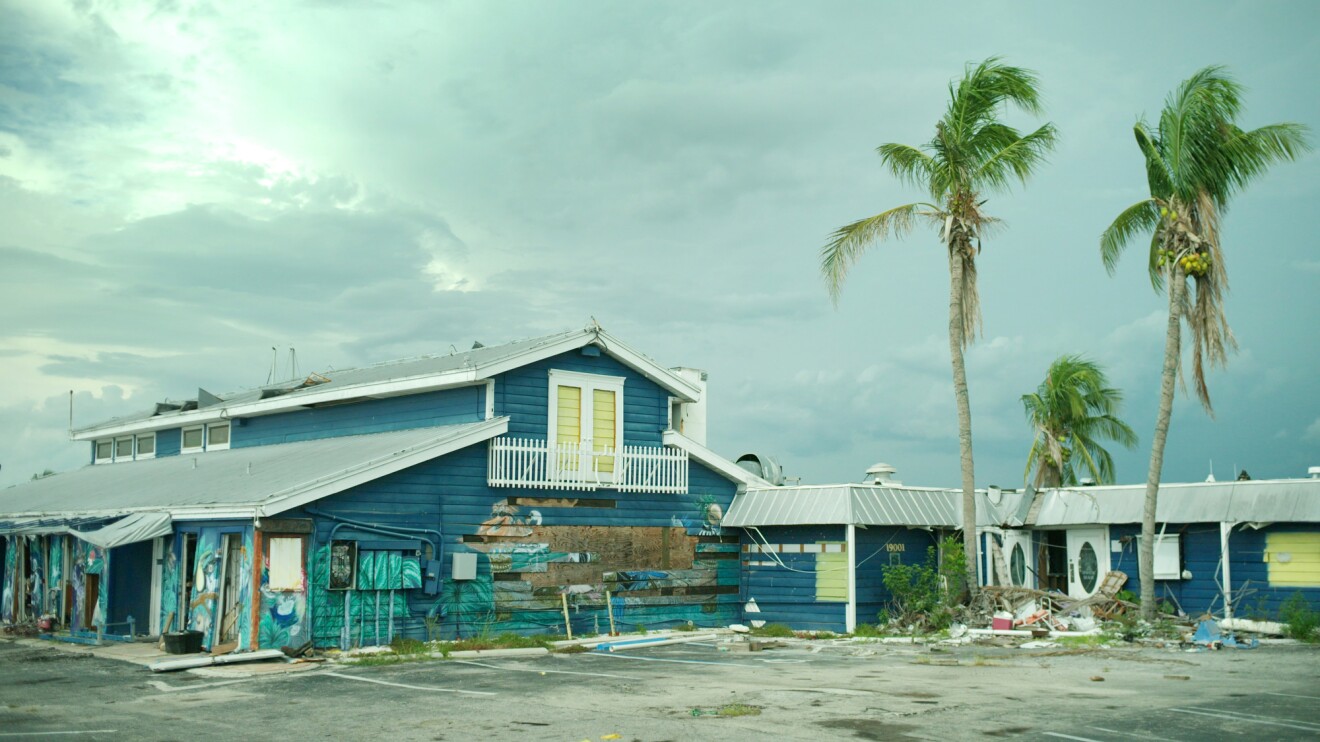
column 907, row 163
column 1158, row 176
column 1017, row 158
column 848, row 243
column 1140, row 217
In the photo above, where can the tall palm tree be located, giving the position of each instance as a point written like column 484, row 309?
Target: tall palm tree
column 972, row 152
column 1196, row 159
column 1072, row 410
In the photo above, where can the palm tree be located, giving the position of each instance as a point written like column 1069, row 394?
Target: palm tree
column 972, row 152
column 1196, row 159
column 1071, row 411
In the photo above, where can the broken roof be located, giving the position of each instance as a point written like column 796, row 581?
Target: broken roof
column 404, row 376
column 239, row 482
column 1261, row 500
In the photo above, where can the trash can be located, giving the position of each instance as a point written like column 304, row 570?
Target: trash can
column 183, row 642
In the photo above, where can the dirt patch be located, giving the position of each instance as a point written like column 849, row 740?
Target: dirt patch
column 1008, row 732
column 869, row 728
column 917, row 694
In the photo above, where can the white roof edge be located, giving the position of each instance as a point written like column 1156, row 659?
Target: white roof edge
column 408, row 385
column 713, row 460
column 383, row 466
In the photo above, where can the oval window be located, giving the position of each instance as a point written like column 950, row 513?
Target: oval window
column 1018, row 565
column 1088, row 567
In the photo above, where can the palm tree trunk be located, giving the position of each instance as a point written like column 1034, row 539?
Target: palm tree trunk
column 956, row 338
column 1172, row 356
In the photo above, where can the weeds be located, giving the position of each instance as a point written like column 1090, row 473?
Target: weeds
column 738, row 709
column 923, row 595
column 1302, row 620
column 775, row 631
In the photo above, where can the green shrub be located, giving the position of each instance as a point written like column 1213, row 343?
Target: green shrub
column 918, row 593
column 774, row 630
column 1301, row 618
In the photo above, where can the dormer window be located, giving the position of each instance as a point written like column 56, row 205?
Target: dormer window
column 146, row 446
column 124, row 448
column 217, row 436
column 586, row 420
column 105, row 451
column 194, row 439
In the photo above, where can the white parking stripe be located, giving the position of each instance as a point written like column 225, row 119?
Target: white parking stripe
column 1250, row 720
column 547, row 672
column 1069, row 736
column 658, row 659
column 51, row 734
column 166, row 688
column 1128, row 734
column 405, row 685
column 1290, row 695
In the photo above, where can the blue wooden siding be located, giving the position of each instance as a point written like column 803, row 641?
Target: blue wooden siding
column 787, row 594
column 1201, row 556
column 523, row 395
column 599, row 541
column 875, row 552
column 446, row 407
column 168, row 442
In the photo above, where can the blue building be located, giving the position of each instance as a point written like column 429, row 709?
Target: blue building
column 439, row 496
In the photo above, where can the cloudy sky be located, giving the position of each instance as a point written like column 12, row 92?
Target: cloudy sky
column 184, row 185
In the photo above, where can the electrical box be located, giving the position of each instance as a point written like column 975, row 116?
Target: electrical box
column 431, row 576
column 465, row 566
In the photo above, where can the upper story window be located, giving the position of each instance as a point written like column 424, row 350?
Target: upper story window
column 217, row 436
column 586, row 414
column 124, row 448
column 211, row 437
column 194, row 439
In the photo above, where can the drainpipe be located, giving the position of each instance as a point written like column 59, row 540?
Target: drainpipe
column 850, row 616
column 1224, row 530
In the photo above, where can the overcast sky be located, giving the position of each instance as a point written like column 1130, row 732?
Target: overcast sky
column 185, row 184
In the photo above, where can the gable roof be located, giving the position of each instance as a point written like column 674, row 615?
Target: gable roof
column 856, row 504
column 392, row 378
column 240, row 482
column 1259, row 500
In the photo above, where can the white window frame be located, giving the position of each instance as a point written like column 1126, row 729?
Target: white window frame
column 96, row 451
column 183, row 439
column 137, row 446
column 229, row 432
column 588, row 383
column 1168, row 556
column 132, row 447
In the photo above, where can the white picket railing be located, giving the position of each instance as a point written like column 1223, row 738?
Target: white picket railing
column 527, row 462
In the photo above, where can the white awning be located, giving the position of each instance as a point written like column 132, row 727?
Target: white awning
column 128, row 530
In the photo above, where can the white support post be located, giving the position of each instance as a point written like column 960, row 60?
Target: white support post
column 1225, row 529
column 850, row 616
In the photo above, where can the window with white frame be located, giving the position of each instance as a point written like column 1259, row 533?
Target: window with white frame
column 1168, row 556
column 217, row 436
column 105, row 451
column 146, row 446
column 124, row 448
column 586, row 411
column 194, row 439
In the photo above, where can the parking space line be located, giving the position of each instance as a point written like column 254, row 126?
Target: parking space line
column 167, row 688
column 405, row 685
column 547, row 672
column 52, row 734
column 1290, row 695
column 1069, row 736
column 660, row 659
column 1127, row 734
column 1250, row 719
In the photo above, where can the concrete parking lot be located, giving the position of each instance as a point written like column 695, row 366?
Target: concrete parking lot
column 808, row 690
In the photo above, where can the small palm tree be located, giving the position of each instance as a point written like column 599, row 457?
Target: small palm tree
column 1196, row 159
column 972, row 152
column 1072, row 410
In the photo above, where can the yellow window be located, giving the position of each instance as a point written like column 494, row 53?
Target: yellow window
column 569, row 415
column 1293, row 558
column 603, row 412
column 832, row 574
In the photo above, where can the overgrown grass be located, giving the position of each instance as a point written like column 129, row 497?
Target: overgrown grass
column 1302, row 620
column 868, row 631
column 738, row 709
column 775, row 631
column 1090, row 640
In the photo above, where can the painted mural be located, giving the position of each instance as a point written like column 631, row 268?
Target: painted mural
column 8, row 579
column 169, row 589
column 89, row 560
column 55, row 580
column 36, row 592
column 283, row 618
column 208, row 572
column 373, row 613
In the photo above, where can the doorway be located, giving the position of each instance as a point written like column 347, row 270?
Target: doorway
column 1020, row 559
column 229, row 581
column 187, row 575
column 91, row 597
column 1088, row 560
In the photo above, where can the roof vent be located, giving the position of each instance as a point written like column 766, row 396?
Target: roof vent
column 763, row 466
column 1314, row 472
column 882, row 474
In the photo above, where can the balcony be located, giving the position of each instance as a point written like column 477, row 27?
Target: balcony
column 526, row 462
